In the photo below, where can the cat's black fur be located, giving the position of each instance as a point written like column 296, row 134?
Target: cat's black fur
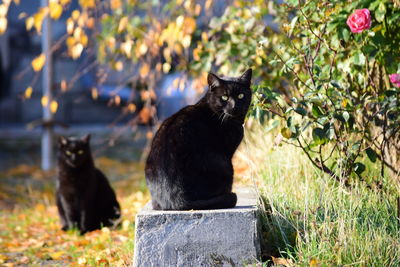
column 190, row 162
column 84, row 197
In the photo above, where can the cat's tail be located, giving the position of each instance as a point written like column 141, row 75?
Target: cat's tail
column 224, row 201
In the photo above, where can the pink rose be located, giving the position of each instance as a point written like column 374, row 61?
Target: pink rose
column 360, row 20
column 395, row 79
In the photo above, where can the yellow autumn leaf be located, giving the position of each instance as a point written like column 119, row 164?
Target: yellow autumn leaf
column 29, row 23
column 82, row 260
column 111, row 42
column 38, row 62
column 131, row 108
column 186, row 41
column 84, row 40
column 126, row 48
column 208, row 4
column 115, row 4
column 166, row 67
column 55, row 10
column 40, row 207
column 197, row 10
column 3, row 25
column 70, row 42
column 119, row 66
column 76, row 51
column 126, row 223
column 44, row 101
column 122, row 24
column 314, row 263
column 38, row 18
column 158, row 67
column 65, row 2
column 3, row 10
column 90, row 23
column 196, row 53
column 189, row 25
column 75, row 14
column 179, row 21
column 78, row 33
column 117, row 100
column 95, row 93
column 70, row 25
column 144, row 70
column 82, row 19
column 57, row 255
column 64, row 86
column 22, row 15
column 87, row 3
column 28, row 92
column 143, row 49
column 16, row 2
column 53, row 106
column 204, row 37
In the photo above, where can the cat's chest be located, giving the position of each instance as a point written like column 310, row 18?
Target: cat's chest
column 228, row 135
column 75, row 182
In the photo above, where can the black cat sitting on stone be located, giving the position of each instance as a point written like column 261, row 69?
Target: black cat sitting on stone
column 84, row 197
column 190, row 162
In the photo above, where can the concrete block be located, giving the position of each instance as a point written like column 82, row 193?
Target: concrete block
column 226, row 237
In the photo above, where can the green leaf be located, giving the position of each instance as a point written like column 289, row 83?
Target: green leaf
column 286, row 133
column 380, row 12
column 371, row 154
column 359, row 168
column 318, row 135
column 215, row 23
column 329, row 131
column 301, row 111
column 390, row 93
column 344, row 34
column 345, row 116
column 359, row 59
column 336, row 85
column 316, row 111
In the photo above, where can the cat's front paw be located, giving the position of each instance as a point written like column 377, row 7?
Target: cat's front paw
column 83, row 231
column 65, row 228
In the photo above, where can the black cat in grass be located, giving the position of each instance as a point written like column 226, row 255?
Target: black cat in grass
column 84, row 196
column 190, row 162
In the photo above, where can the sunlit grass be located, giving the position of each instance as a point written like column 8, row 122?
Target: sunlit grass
column 310, row 219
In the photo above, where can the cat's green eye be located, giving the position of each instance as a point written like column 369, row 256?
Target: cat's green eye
column 224, row 97
column 80, row 152
column 240, row 96
column 68, row 153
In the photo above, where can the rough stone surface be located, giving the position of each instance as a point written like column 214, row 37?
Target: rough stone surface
column 227, row 237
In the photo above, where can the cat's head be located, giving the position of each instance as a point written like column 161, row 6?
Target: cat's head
column 74, row 151
column 229, row 97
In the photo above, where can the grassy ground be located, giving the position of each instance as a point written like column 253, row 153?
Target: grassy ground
column 307, row 219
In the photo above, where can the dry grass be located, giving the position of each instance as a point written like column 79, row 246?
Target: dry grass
column 311, row 220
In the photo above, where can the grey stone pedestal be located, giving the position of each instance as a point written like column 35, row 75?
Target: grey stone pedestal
column 226, row 237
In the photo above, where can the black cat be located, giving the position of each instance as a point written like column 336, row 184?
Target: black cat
column 84, row 197
column 189, row 165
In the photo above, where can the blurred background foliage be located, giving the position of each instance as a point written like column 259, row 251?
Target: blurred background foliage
column 326, row 89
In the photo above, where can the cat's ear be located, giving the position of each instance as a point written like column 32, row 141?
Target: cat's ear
column 246, row 76
column 86, row 138
column 213, row 81
column 62, row 141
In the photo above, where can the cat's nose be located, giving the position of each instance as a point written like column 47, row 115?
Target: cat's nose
column 73, row 156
